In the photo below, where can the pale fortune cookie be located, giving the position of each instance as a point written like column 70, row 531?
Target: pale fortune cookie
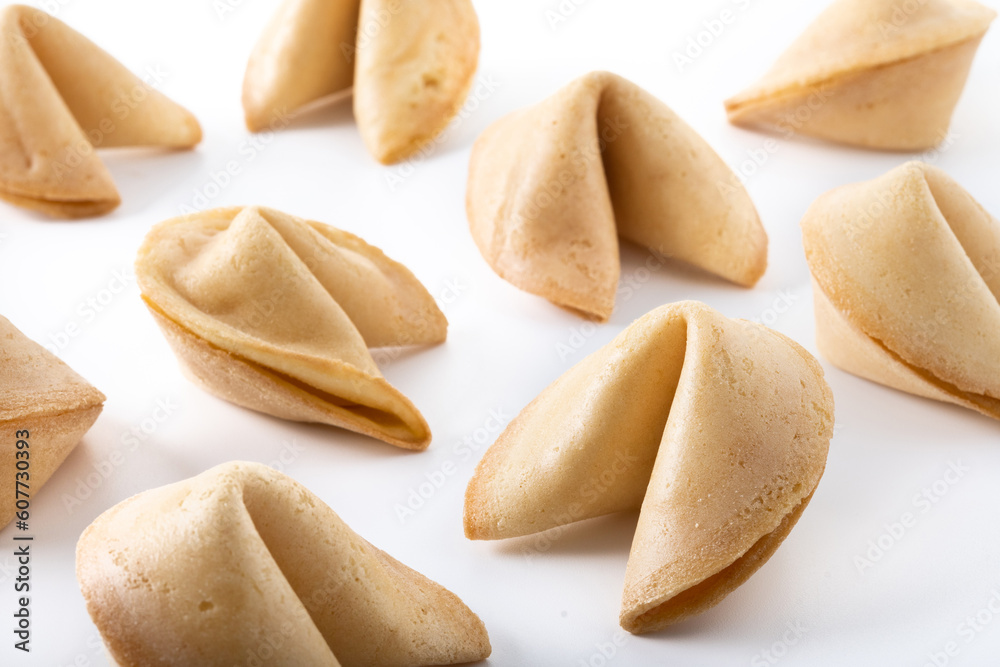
column 45, row 409
column 553, row 186
column 906, row 276
column 61, row 97
column 716, row 430
column 411, row 65
column 881, row 74
column 242, row 562
column 276, row 313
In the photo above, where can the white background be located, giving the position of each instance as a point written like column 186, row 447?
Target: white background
column 543, row 606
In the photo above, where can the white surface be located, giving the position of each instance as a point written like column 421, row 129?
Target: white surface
column 542, row 606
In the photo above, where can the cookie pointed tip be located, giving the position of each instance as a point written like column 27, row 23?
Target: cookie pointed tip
column 194, row 132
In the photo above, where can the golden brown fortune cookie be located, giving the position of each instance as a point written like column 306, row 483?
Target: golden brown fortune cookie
column 716, row 430
column 552, row 187
column 242, row 563
column 906, row 277
column 411, row 65
column 881, row 74
column 45, row 408
column 276, row 313
column 61, row 97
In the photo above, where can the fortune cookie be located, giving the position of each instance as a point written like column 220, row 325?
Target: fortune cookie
column 552, row 187
column 215, row 569
column 276, row 313
column 876, row 73
column 717, row 430
column 61, row 97
column 45, row 408
column 411, row 64
column 906, row 277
